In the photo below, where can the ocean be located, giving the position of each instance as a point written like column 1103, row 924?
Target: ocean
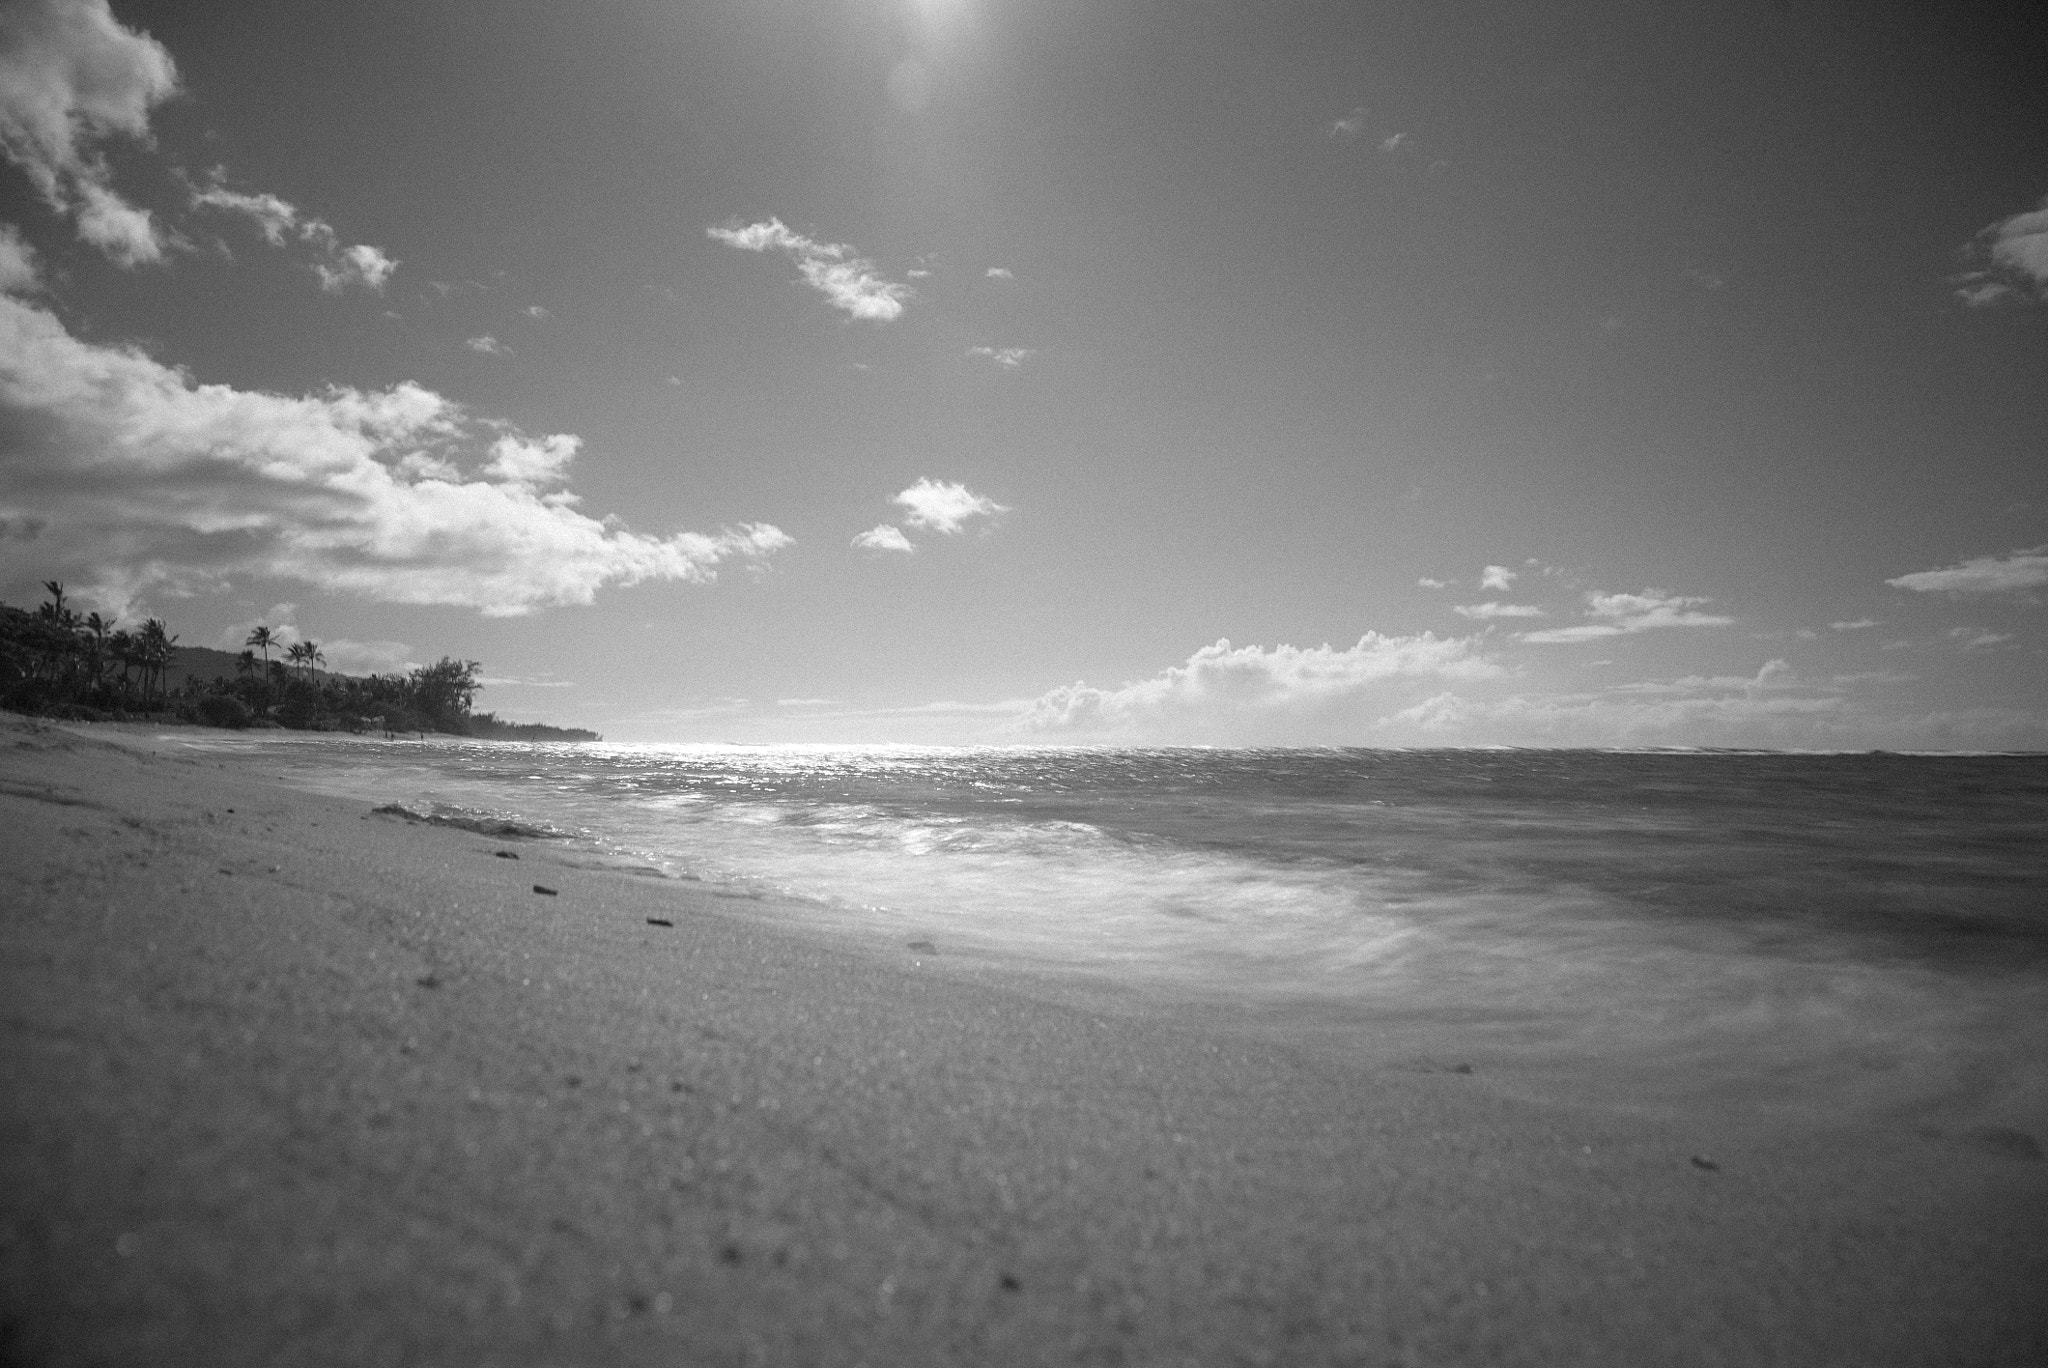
column 1834, row 935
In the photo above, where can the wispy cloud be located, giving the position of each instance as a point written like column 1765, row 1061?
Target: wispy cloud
column 833, row 269
column 72, row 76
column 489, row 345
column 282, row 223
column 885, row 537
column 1625, row 614
column 1255, row 695
column 1856, row 625
column 141, row 478
column 2013, row 573
column 1000, row 273
column 944, row 507
column 1009, row 358
column 1350, row 127
column 1977, row 638
column 1498, row 577
column 1427, row 583
column 2008, row 260
column 1487, row 612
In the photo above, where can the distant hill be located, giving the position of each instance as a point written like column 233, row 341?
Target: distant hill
column 204, row 664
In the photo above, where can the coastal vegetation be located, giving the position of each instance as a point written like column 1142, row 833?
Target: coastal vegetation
column 57, row 662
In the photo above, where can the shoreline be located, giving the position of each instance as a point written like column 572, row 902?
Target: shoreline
column 290, row 1081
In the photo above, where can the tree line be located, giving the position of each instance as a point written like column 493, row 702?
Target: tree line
column 59, row 663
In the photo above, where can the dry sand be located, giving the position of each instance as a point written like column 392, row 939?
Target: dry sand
column 289, row 1083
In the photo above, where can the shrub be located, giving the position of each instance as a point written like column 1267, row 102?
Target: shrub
column 224, row 710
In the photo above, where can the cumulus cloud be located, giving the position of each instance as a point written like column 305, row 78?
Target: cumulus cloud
column 1009, row 358
column 1427, row 583
column 72, row 76
column 139, row 477
column 17, row 263
column 1001, row 273
column 945, row 507
column 833, row 269
column 488, row 345
column 1487, row 612
column 2015, row 572
column 885, row 537
column 1625, row 614
column 282, row 222
column 361, row 265
column 1253, row 695
column 1498, row 577
column 2009, row 260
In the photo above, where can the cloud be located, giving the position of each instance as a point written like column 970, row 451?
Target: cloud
column 2014, row 572
column 282, row 222
column 1350, row 126
column 1427, row 583
column 1857, row 625
column 1001, row 273
column 1009, row 358
column 2009, row 260
column 142, row 478
column 17, row 263
column 1625, row 614
column 71, row 76
column 1487, row 612
column 537, row 311
column 275, row 218
column 1498, row 577
column 885, row 537
column 943, row 507
column 361, row 265
column 831, row 268
column 488, row 345
column 1394, row 143
column 1253, row 695
column 1977, row 638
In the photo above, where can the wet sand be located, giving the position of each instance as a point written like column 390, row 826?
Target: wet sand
column 286, row 1081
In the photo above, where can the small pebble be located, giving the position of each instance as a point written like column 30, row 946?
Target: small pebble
column 1701, row 1161
column 659, row 921
column 506, row 854
column 545, row 890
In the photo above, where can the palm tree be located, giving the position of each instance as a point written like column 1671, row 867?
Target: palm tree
column 296, row 653
column 157, row 649
column 99, row 629
column 263, row 639
column 312, row 655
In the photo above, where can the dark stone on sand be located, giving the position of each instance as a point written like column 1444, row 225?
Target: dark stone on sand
column 659, row 921
column 545, row 891
column 1461, row 1068
column 1702, row 1162
column 1010, row 1283
column 506, row 854
column 428, row 981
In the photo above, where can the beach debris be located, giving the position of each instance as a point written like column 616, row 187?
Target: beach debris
column 1461, row 1068
column 428, row 981
column 923, row 946
column 659, row 921
column 1700, row 1161
column 545, row 891
column 1010, row 1283
column 506, row 854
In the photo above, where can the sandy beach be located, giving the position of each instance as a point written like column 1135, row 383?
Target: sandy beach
column 288, row 1081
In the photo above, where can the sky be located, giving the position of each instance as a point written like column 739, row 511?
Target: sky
column 1054, row 371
